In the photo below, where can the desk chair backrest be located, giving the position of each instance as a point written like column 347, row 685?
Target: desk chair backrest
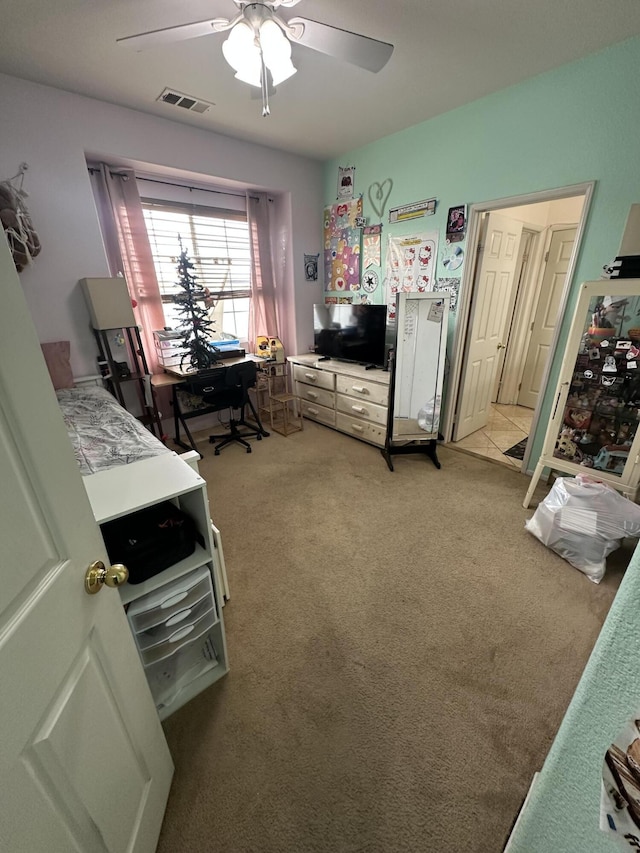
column 233, row 389
column 241, row 376
column 238, row 379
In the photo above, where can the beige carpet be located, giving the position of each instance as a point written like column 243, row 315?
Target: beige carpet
column 402, row 653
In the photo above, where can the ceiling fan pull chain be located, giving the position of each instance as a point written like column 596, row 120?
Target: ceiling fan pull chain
column 265, row 87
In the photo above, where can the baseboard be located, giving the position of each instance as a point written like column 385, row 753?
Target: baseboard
column 508, row 846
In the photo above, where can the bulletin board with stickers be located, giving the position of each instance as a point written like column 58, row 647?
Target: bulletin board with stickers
column 596, row 412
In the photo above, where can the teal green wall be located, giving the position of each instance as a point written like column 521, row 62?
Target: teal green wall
column 578, row 123
column 562, row 815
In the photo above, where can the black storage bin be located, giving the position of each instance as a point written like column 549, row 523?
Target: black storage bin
column 150, row 540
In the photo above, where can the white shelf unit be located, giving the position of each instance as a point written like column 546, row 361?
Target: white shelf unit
column 125, row 489
column 343, row 396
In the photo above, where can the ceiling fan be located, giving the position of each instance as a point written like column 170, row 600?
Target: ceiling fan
column 259, row 43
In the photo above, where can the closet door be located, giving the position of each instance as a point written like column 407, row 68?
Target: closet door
column 546, row 315
column 488, row 327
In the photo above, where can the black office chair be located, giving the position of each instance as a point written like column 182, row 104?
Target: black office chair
column 235, row 395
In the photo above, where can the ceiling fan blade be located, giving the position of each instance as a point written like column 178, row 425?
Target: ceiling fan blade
column 358, row 50
column 141, row 41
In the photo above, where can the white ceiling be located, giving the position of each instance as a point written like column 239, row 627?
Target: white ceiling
column 447, row 53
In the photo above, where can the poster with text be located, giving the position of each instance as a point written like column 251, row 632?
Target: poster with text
column 342, row 243
column 371, row 242
column 450, row 286
column 410, row 267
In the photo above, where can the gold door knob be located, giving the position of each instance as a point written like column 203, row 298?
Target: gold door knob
column 97, row 576
column 501, row 346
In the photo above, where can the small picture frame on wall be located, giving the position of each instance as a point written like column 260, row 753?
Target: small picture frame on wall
column 456, row 223
column 311, row 267
column 346, row 181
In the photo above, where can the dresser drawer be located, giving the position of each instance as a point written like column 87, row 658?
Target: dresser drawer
column 318, row 413
column 361, row 409
column 318, row 378
column 316, row 395
column 372, row 392
column 373, row 433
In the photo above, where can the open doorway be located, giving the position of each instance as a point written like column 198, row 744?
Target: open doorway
column 511, row 304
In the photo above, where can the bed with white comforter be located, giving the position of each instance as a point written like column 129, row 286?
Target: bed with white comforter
column 102, row 433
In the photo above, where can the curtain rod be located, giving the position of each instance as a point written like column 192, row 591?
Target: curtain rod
column 93, row 170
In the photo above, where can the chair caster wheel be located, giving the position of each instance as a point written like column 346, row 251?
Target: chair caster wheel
column 216, row 452
column 248, row 450
column 259, row 436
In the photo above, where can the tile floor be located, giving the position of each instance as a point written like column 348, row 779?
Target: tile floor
column 507, row 426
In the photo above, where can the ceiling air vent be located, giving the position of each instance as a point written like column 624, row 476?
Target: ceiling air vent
column 186, row 102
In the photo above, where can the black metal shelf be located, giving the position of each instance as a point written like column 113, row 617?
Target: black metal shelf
column 139, row 371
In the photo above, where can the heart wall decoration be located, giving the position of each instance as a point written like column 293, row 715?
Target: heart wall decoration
column 379, row 196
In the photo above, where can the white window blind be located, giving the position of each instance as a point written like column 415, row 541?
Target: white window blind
column 217, row 242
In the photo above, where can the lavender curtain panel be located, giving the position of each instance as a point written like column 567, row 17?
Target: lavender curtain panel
column 128, row 251
column 263, row 313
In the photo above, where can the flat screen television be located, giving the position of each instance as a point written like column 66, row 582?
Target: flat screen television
column 351, row 332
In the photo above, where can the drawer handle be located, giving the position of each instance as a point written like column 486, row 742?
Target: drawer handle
column 311, row 376
column 181, row 634
column 312, row 394
column 359, row 409
column 357, row 427
column 312, row 411
column 359, row 388
column 179, row 616
column 173, row 599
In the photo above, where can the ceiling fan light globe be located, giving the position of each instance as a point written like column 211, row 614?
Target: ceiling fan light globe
column 250, row 76
column 281, row 72
column 272, row 37
column 240, row 49
column 276, row 51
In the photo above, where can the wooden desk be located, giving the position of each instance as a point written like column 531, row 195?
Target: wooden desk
column 225, row 362
column 175, row 378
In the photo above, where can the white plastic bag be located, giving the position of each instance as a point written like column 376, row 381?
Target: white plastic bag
column 429, row 415
column 584, row 521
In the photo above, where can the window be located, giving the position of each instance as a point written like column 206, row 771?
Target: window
column 218, row 245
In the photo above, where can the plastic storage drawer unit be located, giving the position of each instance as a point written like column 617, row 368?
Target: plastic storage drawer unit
column 172, row 627
column 168, row 676
column 159, row 606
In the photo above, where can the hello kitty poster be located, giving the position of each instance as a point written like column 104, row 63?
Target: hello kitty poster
column 410, row 266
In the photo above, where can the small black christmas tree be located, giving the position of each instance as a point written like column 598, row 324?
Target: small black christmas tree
column 195, row 326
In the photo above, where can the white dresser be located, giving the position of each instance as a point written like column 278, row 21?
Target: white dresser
column 344, row 396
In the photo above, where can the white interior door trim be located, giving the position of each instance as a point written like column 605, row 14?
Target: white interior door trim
column 466, row 287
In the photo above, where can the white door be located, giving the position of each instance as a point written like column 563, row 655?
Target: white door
column 546, row 315
column 488, row 325
column 84, row 765
column 502, row 372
